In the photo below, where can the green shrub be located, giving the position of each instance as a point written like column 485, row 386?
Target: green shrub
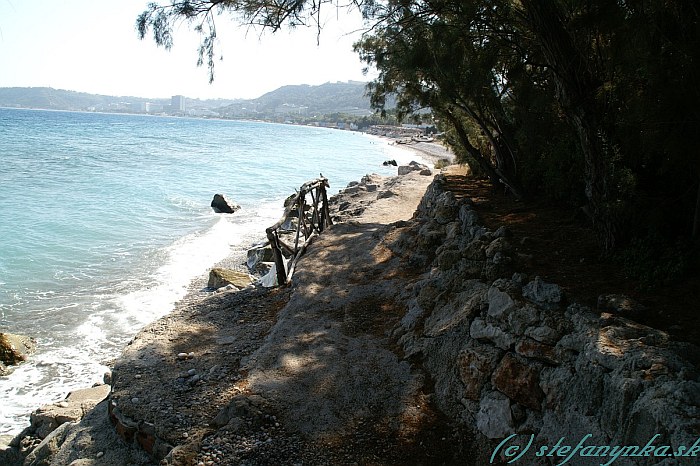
column 652, row 262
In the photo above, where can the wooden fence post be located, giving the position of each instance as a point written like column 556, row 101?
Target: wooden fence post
column 311, row 225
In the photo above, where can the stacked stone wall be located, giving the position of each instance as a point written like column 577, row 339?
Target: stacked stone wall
column 510, row 355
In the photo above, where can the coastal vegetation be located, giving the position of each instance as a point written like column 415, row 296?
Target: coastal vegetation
column 592, row 105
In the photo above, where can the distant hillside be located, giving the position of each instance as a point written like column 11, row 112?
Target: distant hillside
column 59, row 99
column 326, row 98
column 281, row 104
column 48, row 98
column 304, row 99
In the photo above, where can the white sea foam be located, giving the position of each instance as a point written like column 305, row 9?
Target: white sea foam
column 48, row 377
column 56, row 369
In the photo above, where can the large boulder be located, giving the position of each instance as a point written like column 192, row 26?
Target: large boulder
column 219, row 277
column 414, row 166
column 45, row 451
column 14, row 349
column 221, row 205
column 49, row 417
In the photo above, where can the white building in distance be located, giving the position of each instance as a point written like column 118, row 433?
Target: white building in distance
column 177, row 103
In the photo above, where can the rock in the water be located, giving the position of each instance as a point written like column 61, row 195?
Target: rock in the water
column 14, row 349
column 219, row 277
column 221, row 205
column 390, row 162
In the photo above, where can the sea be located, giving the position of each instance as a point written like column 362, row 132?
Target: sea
column 105, row 220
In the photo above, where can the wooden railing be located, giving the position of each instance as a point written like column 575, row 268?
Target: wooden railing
column 311, row 219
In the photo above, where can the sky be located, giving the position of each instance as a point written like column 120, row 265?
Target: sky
column 92, row 46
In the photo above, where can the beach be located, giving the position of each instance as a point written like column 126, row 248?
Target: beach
column 428, row 153
column 178, row 325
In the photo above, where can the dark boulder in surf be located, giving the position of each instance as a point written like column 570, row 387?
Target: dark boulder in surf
column 221, row 205
column 14, row 349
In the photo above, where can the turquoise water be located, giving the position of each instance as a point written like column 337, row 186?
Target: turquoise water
column 105, row 220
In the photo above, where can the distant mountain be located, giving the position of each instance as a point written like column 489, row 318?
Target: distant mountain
column 303, row 99
column 48, row 98
column 283, row 103
column 59, row 99
column 326, row 98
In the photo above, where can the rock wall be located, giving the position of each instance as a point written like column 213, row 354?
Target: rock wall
column 509, row 356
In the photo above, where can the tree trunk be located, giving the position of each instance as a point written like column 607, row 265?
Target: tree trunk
column 494, row 175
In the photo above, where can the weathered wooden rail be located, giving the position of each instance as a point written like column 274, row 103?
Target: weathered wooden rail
column 311, row 219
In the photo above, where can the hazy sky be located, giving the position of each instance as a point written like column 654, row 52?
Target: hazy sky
column 91, row 46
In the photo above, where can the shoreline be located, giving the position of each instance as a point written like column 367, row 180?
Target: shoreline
column 189, row 289
column 197, row 292
column 236, row 260
column 431, row 152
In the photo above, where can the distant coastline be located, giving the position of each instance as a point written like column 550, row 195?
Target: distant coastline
column 287, row 103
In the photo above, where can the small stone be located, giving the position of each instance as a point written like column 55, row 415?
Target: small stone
column 475, row 365
column 546, row 295
column 494, row 418
column 185, row 435
column 481, row 330
column 519, row 381
column 536, row 350
column 190, row 355
column 191, row 372
column 543, row 334
column 62, row 404
column 137, row 376
column 502, row 232
column 182, row 355
column 135, row 400
column 100, row 455
column 500, row 303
